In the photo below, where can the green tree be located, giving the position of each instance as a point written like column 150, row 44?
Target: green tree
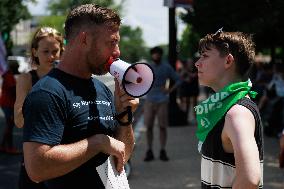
column 132, row 45
column 53, row 21
column 188, row 44
column 59, row 9
column 209, row 16
column 11, row 12
column 262, row 18
column 62, row 7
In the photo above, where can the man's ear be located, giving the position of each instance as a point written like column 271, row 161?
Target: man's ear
column 82, row 38
column 229, row 60
column 85, row 39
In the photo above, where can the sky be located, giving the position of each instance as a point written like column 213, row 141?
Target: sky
column 150, row 15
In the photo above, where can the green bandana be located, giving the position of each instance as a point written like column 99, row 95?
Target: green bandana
column 211, row 110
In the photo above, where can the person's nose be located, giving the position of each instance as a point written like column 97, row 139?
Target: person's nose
column 116, row 52
column 51, row 56
column 197, row 63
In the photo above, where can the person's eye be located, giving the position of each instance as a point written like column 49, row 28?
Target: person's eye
column 55, row 52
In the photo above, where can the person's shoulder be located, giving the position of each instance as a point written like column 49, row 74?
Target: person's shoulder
column 24, row 75
column 99, row 84
column 237, row 110
column 151, row 63
column 165, row 64
column 50, row 83
column 24, row 78
column 96, row 80
column 239, row 117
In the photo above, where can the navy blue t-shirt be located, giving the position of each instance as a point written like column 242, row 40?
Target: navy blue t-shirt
column 62, row 109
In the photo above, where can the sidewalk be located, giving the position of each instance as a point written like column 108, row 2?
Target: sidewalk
column 9, row 164
column 183, row 169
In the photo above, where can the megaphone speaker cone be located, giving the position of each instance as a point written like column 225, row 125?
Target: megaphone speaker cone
column 139, row 80
column 143, row 83
column 136, row 79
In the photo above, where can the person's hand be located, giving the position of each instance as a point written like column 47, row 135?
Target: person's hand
column 115, row 148
column 122, row 100
column 281, row 154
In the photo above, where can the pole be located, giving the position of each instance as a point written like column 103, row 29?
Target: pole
column 172, row 37
column 176, row 116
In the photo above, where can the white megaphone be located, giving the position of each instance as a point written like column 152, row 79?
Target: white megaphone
column 136, row 79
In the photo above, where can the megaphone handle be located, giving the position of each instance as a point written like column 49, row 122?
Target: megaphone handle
column 122, row 114
column 129, row 113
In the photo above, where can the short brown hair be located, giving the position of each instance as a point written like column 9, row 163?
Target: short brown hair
column 239, row 44
column 89, row 15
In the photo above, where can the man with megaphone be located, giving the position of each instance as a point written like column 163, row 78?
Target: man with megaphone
column 72, row 121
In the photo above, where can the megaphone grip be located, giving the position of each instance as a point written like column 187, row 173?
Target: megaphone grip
column 122, row 114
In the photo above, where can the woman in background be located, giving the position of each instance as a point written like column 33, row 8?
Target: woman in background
column 46, row 48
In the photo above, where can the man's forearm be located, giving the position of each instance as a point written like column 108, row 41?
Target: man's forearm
column 44, row 162
column 125, row 134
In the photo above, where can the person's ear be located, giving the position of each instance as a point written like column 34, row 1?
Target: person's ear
column 229, row 60
column 34, row 52
column 82, row 38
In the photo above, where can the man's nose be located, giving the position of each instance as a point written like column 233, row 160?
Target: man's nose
column 116, row 53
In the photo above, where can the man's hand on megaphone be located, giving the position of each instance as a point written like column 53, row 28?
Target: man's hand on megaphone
column 122, row 101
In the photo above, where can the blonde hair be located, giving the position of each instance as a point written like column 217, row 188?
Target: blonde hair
column 42, row 33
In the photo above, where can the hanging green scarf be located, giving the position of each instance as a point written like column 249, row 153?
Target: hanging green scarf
column 211, row 110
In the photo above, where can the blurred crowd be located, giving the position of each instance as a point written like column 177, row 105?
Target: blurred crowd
column 268, row 81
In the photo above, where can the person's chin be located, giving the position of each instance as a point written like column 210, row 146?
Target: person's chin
column 101, row 72
column 202, row 82
column 104, row 72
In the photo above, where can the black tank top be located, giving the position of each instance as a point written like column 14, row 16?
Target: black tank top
column 35, row 77
column 215, row 161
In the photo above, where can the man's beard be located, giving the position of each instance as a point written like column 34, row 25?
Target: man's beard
column 98, row 70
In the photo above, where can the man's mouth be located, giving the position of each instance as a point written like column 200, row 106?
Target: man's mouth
column 108, row 63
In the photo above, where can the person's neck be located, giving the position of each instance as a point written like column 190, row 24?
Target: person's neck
column 157, row 61
column 74, row 64
column 224, row 81
column 41, row 71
